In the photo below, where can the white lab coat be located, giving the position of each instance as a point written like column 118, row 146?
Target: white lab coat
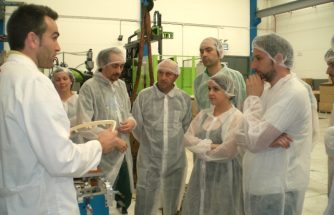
column 329, row 143
column 276, row 173
column 38, row 161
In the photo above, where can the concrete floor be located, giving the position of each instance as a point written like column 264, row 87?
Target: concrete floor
column 316, row 195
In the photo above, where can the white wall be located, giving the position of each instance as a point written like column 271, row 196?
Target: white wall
column 89, row 24
column 309, row 30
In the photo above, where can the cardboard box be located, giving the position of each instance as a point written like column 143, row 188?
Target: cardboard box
column 327, row 98
column 325, row 107
column 326, row 89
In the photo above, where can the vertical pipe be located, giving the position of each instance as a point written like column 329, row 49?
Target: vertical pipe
column 2, row 32
column 254, row 21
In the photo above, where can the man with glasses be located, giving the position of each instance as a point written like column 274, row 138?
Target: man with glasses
column 105, row 97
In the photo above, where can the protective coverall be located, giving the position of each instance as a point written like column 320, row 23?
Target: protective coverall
column 215, row 182
column 275, row 179
column 161, row 123
column 201, row 87
column 100, row 99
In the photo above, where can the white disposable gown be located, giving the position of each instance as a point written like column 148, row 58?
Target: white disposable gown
column 329, row 143
column 277, row 177
column 201, row 88
column 314, row 108
column 215, row 182
column 99, row 99
column 37, row 160
column 162, row 121
column 70, row 106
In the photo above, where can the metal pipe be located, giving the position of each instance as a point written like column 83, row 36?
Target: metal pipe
column 254, row 22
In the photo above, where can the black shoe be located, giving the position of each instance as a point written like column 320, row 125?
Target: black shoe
column 124, row 211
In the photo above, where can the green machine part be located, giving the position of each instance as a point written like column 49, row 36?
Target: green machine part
column 185, row 80
column 77, row 75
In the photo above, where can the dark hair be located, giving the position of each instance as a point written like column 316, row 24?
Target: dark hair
column 25, row 19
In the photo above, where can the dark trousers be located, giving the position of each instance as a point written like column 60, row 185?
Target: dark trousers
column 122, row 184
column 277, row 204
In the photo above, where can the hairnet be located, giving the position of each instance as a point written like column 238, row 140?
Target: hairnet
column 169, row 65
column 225, row 83
column 103, row 58
column 329, row 56
column 217, row 44
column 272, row 44
column 63, row 69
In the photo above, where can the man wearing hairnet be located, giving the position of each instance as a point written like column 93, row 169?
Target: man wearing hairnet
column 329, row 135
column 211, row 52
column 215, row 182
column 105, row 97
column 277, row 132
column 163, row 114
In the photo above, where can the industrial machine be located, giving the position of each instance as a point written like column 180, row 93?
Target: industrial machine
column 80, row 76
column 95, row 194
column 138, row 51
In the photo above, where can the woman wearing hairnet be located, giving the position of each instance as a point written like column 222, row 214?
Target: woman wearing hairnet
column 63, row 80
column 215, row 183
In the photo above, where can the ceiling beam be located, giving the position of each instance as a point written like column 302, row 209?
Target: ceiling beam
column 291, row 6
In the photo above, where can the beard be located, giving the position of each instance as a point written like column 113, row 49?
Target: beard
column 268, row 76
column 207, row 62
column 114, row 77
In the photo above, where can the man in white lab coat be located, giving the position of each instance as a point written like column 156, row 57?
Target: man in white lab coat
column 37, row 159
column 278, row 132
column 329, row 135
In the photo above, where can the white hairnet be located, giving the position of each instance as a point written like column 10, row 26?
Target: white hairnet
column 225, row 83
column 103, row 58
column 217, row 44
column 62, row 69
column 329, row 56
column 272, row 44
column 169, row 65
